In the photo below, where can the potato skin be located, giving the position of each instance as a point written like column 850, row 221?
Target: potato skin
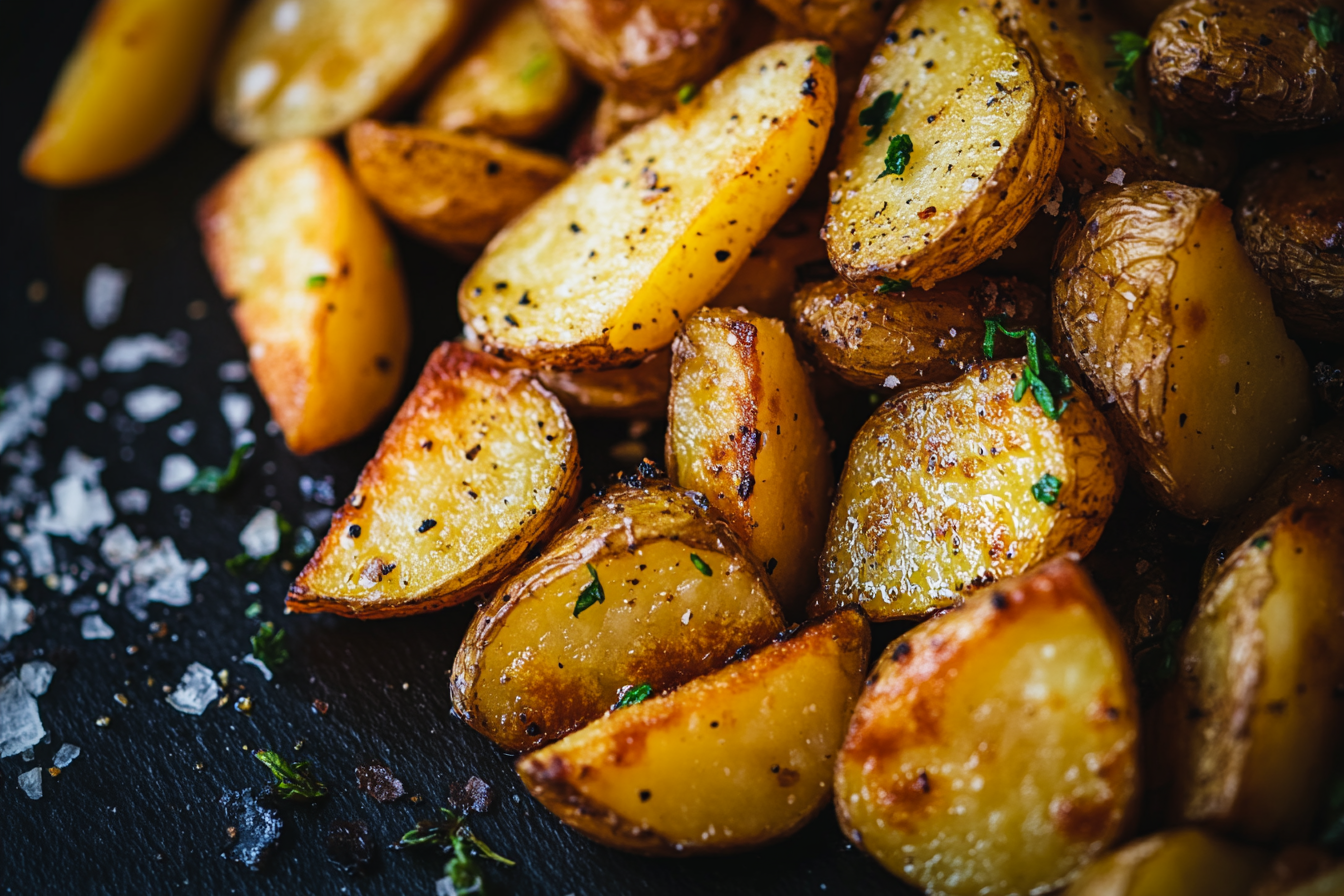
column 639, row 391
column 1187, row 861
column 1247, row 65
column 1290, row 218
column 851, row 25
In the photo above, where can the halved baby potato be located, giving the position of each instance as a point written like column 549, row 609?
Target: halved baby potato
column 479, row 466
column 639, row 391
column 995, row 748
column 731, row 760
column 646, row 586
column 1187, row 861
column 602, row 270
column 321, row 304
column 852, row 25
column 985, row 133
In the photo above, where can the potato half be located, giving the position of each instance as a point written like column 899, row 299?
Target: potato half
column 676, row 595
column 1188, row 862
column 954, row 485
column 743, row 429
column 308, row 69
column 603, row 269
column 321, row 304
column 766, row 281
column 1177, row 338
column 851, row 25
column 986, row 133
column 639, row 391
column 479, row 466
column 731, row 760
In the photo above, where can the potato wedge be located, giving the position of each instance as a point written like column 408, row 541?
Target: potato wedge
column 731, row 760
column 602, row 270
column 515, row 82
column 127, row 89
column 1187, row 861
column 743, row 429
column 766, row 281
column 639, row 391
column 1177, row 339
column 541, row 659
column 852, row 26
column 909, row 337
column 954, row 485
column 479, row 466
column 309, row 69
column 321, row 304
column 994, row 748
column 1258, row 724
column 986, row 131
column 450, row 189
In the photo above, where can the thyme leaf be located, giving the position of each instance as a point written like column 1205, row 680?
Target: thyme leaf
column 294, row 782
column 876, row 116
column 591, row 594
column 213, row 480
column 899, row 149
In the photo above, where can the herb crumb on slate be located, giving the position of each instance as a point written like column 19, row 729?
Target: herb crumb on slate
column 292, row 781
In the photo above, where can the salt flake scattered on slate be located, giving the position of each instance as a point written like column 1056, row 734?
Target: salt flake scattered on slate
column 195, row 692
column 94, row 628
column 256, row 826
column 27, row 403
column 126, row 354
column 182, row 433
column 41, row 561
column 67, row 754
column 20, row 725
column 233, row 371
column 149, row 403
column 104, row 292
column 31, row 783
column 131, row 501
column 120, row 546
column 376, row 780
column 15, row 616
column 261, row 536
column 36, row 676
column 55, row 349
column 78, row 503
column 253, row 661
column 236, row 408
column 176, row 473
column 85, row 604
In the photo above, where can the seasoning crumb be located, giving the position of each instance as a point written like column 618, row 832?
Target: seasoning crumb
column 377, row 781
column 103, row 721
column 471, row 795
column 122, row 699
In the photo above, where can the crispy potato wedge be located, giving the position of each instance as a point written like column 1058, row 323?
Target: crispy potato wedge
column 1257, row 726
column 1290, row 218
column 954, row 485
column 479, row 466
column 602, row 270
column 127, row 89
column 766, row 281
column 309, row 69
column 321, row 304
column 448, row 188
column 1187, row 861
column 994, row 748
column 539, row 662
column 987, row 133
column 1177, row 339
column 1250, row 65
column 731, row 760
column 743, row 430
column 515, row 82
column 850, row 25
column 639, row 391
column 909, row 337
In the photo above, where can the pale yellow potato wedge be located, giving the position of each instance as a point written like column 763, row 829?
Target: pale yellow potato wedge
column 1186, row 861
column 732, row 760
column 320, row 301
column 126, row 90
column 479, row 466
column 639, row 391
column 613, row 259
column 994, row 748
column 767, row 279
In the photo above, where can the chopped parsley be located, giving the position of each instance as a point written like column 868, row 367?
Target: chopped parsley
column 294, row 782
column 701, row 565
column 1046, row 489
column 890, row 285
column 591, row 594
column 635, row 695
column 268, row 645
column 317, row 281
column 535, row 66
column 1040, row 374
column 253, row 610
column 453, row 836
column 213, row 480
column 1261, row 542
column 876, row 116
column 1325, row 27
column 687, row 92
column 824, row 54
column 1129, row 47
column 898, row 155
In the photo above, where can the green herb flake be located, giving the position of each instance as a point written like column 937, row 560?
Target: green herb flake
column 701, row 565
column 1325, row 27
column 213, row 480
column 453, row 836
column 591, row 594
column 317, row 281
column 687, row 92
column 1041, row 374
column 1129, row 47
column 1261, row 542
column 294, row 782
column 237, row 563
column 1156, row 660
column 1046, row 489
column 535, row 66
column 889, row 285
column 876, row 116
column 268, row 645
column 899, row 149
column 254, row 610
column 635, row 695
column 824, row 54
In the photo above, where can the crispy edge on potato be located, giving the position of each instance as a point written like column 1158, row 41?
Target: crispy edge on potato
column 1186, row 861
column 772, row 721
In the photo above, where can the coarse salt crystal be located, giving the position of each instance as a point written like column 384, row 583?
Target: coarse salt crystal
column 1116, row 177
column 31, row 783
column 891, row 382
column 195, row 692
column 149, row 403
column 36, row 676
column 182, row 433
column 84, row 604
column 253, row 661
column 131, row 501
column 14, row 615
column 176, row 473
column 20, row 725
column 41, row 561
column 26, row 404
column 261, row 536
column 67, row 754
column 126, row 354
column 236, row 408
column 95, row 412
column 233, row 371
column 94, row 628
column 104, row 292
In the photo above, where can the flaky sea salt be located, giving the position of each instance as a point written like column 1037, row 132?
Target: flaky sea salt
column 120, row 546
column 261, row 536
column 20, row 725
column 27, row 403
column 67, row 754
column 94, row 628
column 253, row 661
column 36, row 676
column 233, row 371
column 85, row 604
column 78, row 503
column 31, row 783
column 104, row 292
column 182, row 433
column 131, row 501
column 176, row 473
column 149, row 403
column 37, row 545
column 236, row 408
column 129, row 353
column 195, row 692
column 1116, row 177
column 14, row 615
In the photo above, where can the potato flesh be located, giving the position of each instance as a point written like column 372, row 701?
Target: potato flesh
column 1189, row 862
column 639, row 391
column 765, row 282
column 615, row 257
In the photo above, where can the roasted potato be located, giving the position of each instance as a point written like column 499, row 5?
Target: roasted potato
column 994, row 748
column 1302, row 871
column 850, row 25
column 953, row 485
column 320, row 305
column 542, row 659
column 1290, row 218
column 479, row 466
column 448, row 188
column 731, row 760
column 602, row 270
column 1249, row 65
column 766, row 281
column 309, row 69
column 743, row 429
column 126, row 90
column 1257, row 723
column 1177, row 339
column 909, row 337
column 985, row 133
column 1186, row 861
column 639, row 391
column 615, row 117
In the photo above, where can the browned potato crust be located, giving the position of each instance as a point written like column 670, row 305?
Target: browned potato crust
column 851, row 25
column 639, row 391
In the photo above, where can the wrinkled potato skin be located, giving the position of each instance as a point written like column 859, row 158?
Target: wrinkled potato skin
column 654, row 778
column 918, row 336
column 447, row 188
column 1187, row 861
column 1248, row 65
column 639, row 391
column 1290, row 218
column 851, row 25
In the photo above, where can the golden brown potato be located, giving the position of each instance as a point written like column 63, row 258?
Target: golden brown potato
column 448, row 188
column 909, row 337
column 985, row 134
column 1188, row 862
column 850, row 25
column 320, row 305
column 126, row 90
column 309, row 69
column 1177, row 338
column 743, row 430
column 602, row 270
column 766, row 281
column 479, row 466
column 676, row 594
column 1251, row 65
column 639, row 391
column 1257, row 723
column 994, row 748
column 735, row 759
column 1301, row 871
column 954, row 485
column 1290, row 218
